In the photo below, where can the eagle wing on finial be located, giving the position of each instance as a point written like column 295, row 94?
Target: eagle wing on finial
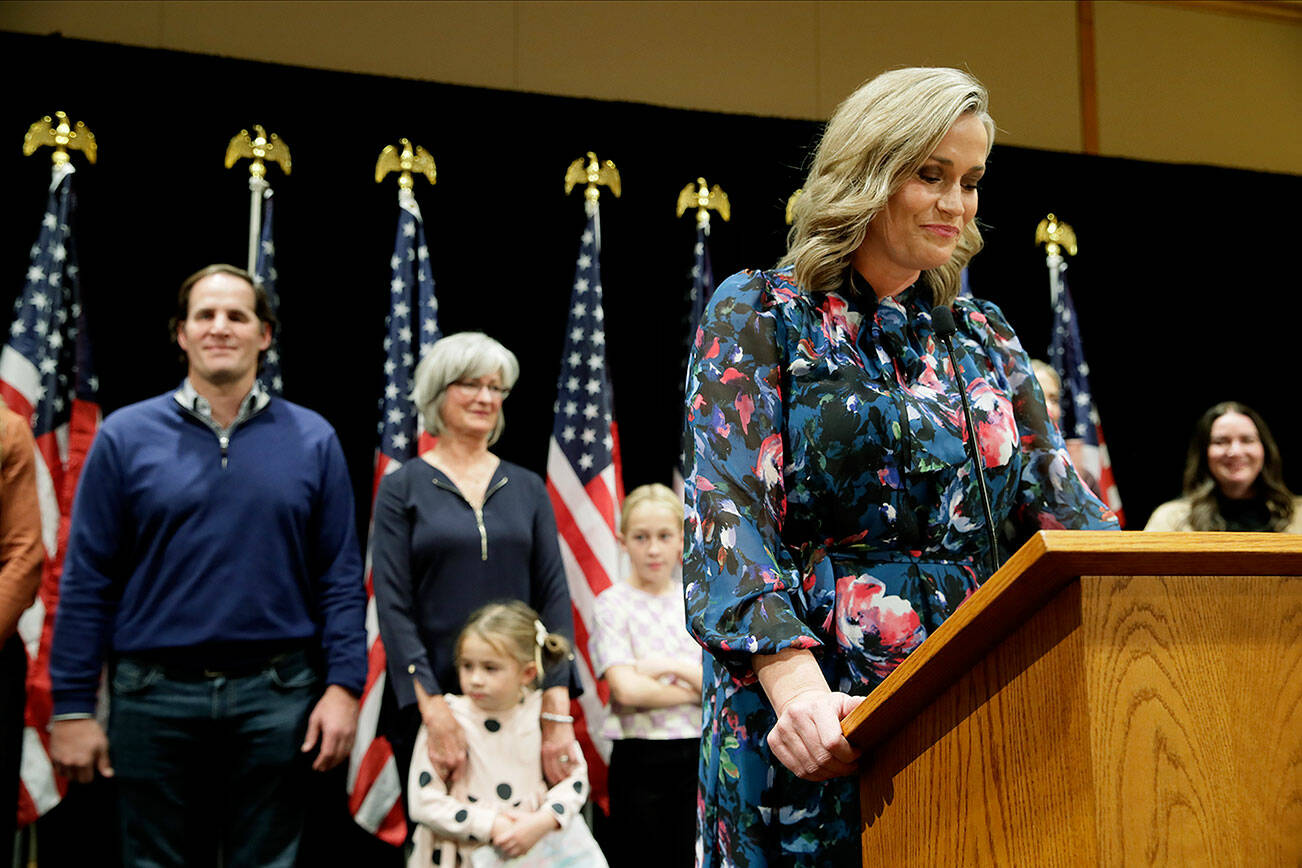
column 575, row 174
column 609, row 176
column 278, row 152
column 84, row 140
column 424, row 164
column 389, row 161
column 791, row 205
column 686, row 199
column 239, row 147
column 39, row 133
column 719, row 202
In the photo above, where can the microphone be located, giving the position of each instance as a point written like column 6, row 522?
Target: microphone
column 942, row 320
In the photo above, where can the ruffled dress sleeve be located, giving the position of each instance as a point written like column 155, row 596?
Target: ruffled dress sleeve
column 1050, row 494
column 742, row 584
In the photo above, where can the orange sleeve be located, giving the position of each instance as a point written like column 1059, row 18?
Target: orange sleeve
column 22, row 553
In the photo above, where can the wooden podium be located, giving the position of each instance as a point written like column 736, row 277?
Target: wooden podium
column 1107, row 699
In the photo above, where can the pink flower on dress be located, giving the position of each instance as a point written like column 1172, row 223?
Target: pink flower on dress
column 998, row 429
column 745, row 408
column 870, row 622
column 837, row 321
column 769, row 461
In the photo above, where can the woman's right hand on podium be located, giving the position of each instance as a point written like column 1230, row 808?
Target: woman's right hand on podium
column 807, row 738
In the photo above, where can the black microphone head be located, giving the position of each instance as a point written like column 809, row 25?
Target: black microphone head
column 942, row 320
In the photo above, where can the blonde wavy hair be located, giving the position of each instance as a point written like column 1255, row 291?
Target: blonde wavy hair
column 876, row 140
column 653, row 493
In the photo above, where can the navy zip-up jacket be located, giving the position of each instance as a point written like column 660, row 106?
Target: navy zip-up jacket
column 169, row 549
column 434, row 560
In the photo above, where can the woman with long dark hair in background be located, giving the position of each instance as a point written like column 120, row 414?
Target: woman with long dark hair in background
column 1233, row 478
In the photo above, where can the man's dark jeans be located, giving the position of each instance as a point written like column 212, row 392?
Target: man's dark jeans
column 208, row 767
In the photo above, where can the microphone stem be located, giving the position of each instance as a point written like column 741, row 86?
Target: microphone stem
column 975, row 455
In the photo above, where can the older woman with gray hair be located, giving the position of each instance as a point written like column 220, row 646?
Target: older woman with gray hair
column 454, row 530
column 833, row 518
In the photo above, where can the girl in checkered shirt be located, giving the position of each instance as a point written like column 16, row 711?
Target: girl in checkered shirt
column 640, row 645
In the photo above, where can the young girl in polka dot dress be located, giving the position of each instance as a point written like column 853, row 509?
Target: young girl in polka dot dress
column 501, row 798
column 641, row 647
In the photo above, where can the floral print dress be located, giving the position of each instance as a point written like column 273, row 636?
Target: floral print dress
column 830, row 506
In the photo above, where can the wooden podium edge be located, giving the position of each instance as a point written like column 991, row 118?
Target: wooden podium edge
column 1049, row 561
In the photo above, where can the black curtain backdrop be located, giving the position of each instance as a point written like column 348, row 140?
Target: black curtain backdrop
column 1184, row 284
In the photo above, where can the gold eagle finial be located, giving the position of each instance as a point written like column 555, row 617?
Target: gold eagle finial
column 59, row 134
column 791, row 204
column 592, row 174
column 703, row 199
column 410, row 158
column 1056, row 236
column 259, row 148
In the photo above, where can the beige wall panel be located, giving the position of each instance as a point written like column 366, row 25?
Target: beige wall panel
column 1024, row 52
column 133, row 23
column 463, row 43
column 755, row 58
column 1186, row 86
column 458, row 42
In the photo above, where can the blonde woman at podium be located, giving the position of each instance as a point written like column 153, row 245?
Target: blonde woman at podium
column 833, row 518
column 1233, row 478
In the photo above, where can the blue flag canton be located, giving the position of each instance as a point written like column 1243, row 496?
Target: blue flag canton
column 49, row 324
column 264, row 272
column 1067, row 355
column 409, row 331
column 583, row 401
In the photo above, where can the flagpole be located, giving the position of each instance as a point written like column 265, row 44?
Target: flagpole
column 258, row 188
column 258, row 149
column 46, row 376
column 583, row 472
column 703, row 198
column 373, row 785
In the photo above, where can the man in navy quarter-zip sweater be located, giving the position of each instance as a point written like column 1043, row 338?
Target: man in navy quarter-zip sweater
column 213, row 564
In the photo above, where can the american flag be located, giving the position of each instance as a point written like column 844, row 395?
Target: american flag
column 698, row 296
column 1080, row 418
column 583, row 480
column 46, row 375
column 264, row 271
column 374, row 789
